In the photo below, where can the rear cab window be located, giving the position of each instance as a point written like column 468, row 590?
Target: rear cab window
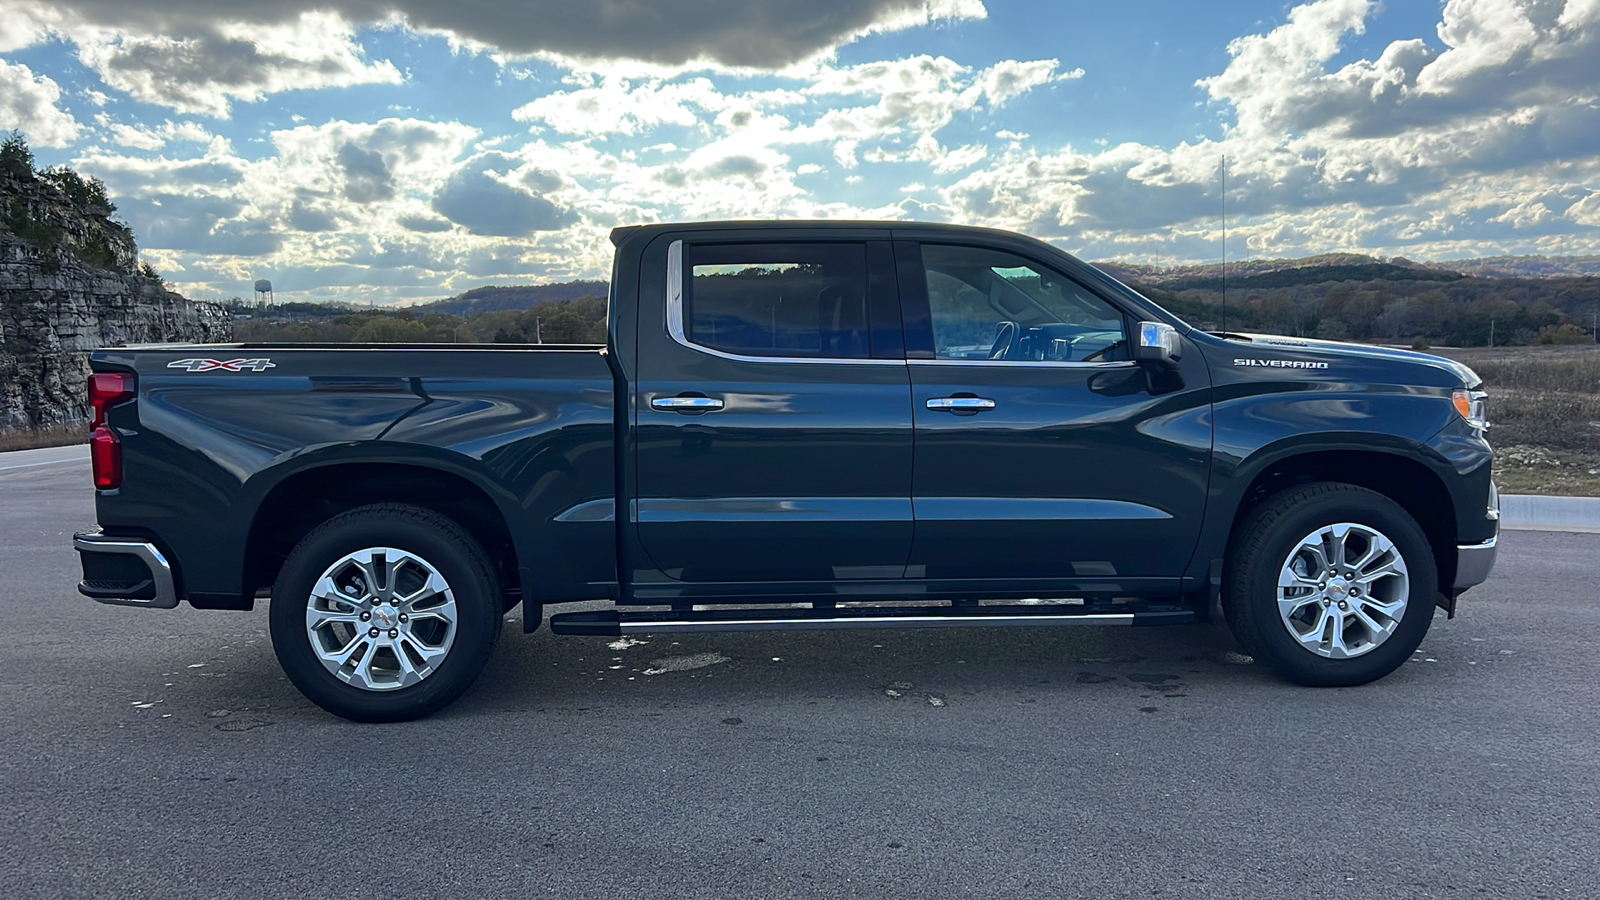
column 778, row 300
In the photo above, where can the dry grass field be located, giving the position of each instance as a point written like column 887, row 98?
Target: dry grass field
column 49, row 436
column 1544, row 403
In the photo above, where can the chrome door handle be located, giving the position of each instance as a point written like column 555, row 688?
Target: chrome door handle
column 960, row 404
column 686, row 404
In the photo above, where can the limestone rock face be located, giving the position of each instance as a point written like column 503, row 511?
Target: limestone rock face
column 71, row 291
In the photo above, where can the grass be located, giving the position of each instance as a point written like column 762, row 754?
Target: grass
column 48, row 436
column 1544, row 403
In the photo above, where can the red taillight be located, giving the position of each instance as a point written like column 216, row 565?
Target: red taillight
column 107, row 389
column 105, row 451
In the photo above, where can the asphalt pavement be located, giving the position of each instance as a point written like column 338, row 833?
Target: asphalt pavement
column 162, row 754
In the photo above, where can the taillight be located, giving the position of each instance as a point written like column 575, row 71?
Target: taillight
column 107, row 389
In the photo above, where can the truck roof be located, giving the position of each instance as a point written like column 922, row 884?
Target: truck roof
column 624, row 232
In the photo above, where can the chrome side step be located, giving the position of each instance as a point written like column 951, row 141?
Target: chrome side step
column 613, row 623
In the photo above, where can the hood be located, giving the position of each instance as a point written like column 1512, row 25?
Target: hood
column 1469, row 378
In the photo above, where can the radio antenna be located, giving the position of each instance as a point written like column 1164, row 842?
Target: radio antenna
column 1224, row 243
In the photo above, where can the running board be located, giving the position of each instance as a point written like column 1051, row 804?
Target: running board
column 614, row 623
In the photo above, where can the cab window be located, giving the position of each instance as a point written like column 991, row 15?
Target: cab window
column 991, row 305
column 778, row 300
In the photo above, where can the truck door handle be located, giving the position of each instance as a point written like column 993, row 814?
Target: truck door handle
column 686, row 404
column 960, row 404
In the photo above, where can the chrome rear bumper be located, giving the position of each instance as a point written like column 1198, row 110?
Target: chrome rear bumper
column 158, row 591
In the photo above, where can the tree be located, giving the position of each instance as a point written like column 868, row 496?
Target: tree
column 1565, row 333
column 86, row 193
column 15, row 157
column 386, row 330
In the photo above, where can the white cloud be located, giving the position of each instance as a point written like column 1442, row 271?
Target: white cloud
column 28, row 102
column 25, row 24
column 142, row 137
column 205, row 73
column 1375, row 153
column 1013, row 78
column 617, row 106
column 1586, row 211
column 490, row 196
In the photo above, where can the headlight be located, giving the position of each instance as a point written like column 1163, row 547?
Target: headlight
column 1474, row 407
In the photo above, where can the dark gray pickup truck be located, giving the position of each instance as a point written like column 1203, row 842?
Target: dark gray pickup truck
column 790, row 424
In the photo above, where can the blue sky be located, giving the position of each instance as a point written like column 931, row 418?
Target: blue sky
column 397, row 150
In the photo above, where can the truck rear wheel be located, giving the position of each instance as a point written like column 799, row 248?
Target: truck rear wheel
column 385, row 613
column 1330, row 585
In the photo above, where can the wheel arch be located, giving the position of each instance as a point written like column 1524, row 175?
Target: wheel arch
column 295, row 502
column 1398, row 474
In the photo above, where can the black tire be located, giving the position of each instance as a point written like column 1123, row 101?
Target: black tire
column 1258, row 553
column 433, row 539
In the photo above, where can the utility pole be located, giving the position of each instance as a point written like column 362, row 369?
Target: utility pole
column 1491, row 332
column 538, row 331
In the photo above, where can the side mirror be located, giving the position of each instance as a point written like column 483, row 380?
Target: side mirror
column 1156, row 342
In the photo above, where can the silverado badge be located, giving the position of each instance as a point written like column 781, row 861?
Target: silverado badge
column 1281, row 363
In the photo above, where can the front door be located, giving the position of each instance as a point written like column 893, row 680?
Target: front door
column 1041, row 451
column 774, row 415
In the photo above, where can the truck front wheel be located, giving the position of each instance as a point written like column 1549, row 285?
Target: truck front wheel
column 1330, row 585
column 385, row 613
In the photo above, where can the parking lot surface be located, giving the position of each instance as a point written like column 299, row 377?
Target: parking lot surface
column 163, row 754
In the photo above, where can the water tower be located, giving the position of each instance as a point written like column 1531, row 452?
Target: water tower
column 263, row 292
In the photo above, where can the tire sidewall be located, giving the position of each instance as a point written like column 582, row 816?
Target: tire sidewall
column 1264, row 633
column 453, row 556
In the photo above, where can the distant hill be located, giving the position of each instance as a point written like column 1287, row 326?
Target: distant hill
column 1528, row 266
column 495, row 298
column 1276, row 273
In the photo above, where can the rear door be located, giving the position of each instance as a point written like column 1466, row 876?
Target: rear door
column 773, row 410
column 1042, row 451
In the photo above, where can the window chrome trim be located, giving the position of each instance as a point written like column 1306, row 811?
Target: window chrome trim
column 675, row 326
column 1027, row 363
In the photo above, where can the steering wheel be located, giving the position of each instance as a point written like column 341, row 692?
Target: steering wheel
column 1005, row 335
column 1100, row 354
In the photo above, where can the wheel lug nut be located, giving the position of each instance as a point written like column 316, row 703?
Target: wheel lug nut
column 372, row 633
column 365, row 616
column 394, row 632
column 404, row 617
column 1343, row 605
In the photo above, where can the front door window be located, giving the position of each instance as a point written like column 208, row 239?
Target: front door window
column 987, row 304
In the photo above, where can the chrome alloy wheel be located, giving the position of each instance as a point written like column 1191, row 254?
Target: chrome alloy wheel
column 381, row 619
column 1342, row 590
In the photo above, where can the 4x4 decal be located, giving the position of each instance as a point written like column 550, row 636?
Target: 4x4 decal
column 217, row 365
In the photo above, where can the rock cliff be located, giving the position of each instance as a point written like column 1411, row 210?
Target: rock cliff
column 69, row 283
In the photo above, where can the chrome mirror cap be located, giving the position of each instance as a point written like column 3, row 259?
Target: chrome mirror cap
column 1157, row 341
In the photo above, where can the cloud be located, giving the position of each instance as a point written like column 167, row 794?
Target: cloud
column 143, row 137
column 617, row 106
column 1013, row 78
column 732, row 33
column 483, row 197
column 424, row 224
column 1382, row 152
column 206, row 70
column 28, row 103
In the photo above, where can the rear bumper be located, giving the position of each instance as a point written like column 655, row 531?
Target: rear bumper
column 124, row 572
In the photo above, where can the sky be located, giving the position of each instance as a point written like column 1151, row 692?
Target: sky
column 393, row 151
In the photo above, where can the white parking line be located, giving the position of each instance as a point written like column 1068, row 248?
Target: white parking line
column 44, row 456
column 53, row 462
